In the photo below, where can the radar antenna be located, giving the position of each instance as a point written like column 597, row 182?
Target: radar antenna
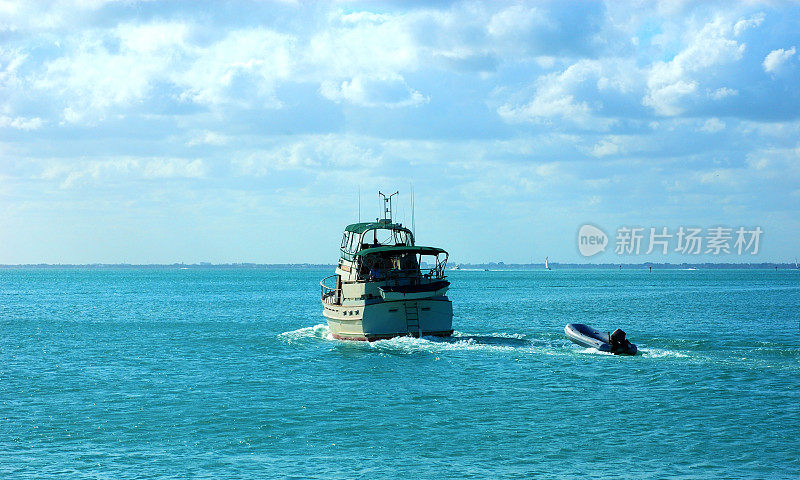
column 387, row 206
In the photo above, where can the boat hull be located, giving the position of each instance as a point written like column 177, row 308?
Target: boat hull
column 431, row 316
column 589, row 337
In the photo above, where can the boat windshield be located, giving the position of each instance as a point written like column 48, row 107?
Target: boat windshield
column 384, row 237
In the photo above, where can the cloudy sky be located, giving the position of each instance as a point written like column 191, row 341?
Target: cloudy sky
column 149, row 132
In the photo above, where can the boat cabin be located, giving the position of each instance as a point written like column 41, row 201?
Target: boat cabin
column 383, row 250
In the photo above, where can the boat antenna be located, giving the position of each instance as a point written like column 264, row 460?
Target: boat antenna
column 359, row 204
column 387, row 205
column 413, row 230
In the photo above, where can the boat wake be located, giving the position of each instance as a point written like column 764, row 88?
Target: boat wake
column 661, row 353
column 457, row 342
column 460, row 341
column 643, row 352
column 319, row 331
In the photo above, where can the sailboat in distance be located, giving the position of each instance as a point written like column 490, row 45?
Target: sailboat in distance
column 546, row 264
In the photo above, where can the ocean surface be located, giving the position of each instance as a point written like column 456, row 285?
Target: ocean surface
column 231, row 374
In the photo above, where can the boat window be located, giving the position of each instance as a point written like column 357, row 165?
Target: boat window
column 401, row 238
column 353, row 243
column 348, row 245
column 385, row 236
column 375, row 237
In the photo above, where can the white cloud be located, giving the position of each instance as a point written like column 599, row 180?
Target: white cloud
column 367, row 45
column 373, row 92
column 356, row 18
column 22, row 16
column 671, row 83
column 516, row 21
column 93, row 77
column 720, row 176
column 604, row 148
column 208, row 138
column 713, row 125
column 227, row 70
column 760, row 163
column 361, row 58
column 318, row 154
column 777, row 58
column 73, row 174
column 173, row 168
column 744, row 24
column 547, row 105
column 723, row 92
column 666, row 98
column 10, row 62
column 119, row 68
column 556, row 95
column 776, row 163
column 20, row 123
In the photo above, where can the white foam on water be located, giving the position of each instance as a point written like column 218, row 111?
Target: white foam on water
column 443, row 344
column 319, row 331
column 661, row 353
column 644, row 352
column 518, row 336
column 459, row 341
column 594, row 351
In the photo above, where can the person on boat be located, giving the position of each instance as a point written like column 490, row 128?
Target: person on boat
column 375, row 273
column 408, row 261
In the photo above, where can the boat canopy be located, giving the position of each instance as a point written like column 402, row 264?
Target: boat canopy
column 380, row 224
column 401, row 249
column 391, row 234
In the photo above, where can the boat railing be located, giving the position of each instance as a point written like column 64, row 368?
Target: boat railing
column 330, row 295
column 413, row 275
column 436, row 272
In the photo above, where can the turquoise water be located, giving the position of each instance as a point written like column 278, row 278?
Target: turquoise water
column 230, row 374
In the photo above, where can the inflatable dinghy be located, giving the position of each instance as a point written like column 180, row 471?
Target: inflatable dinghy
column 587, row 336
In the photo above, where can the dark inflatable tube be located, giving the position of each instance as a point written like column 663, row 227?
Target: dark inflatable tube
column 587, row 336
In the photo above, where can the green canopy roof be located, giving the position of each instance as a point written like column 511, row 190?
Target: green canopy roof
column 364, row 226
column 401, row 249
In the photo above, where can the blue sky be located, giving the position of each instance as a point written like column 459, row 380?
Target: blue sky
column 149, row 132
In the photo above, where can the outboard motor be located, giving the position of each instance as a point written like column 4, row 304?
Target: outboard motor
column 617, row 338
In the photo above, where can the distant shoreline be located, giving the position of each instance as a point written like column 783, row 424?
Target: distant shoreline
column 463, row 266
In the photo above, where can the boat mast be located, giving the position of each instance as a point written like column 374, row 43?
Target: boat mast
column 387, row 205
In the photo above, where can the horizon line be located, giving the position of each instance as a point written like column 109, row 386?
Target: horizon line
column 501, row 265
